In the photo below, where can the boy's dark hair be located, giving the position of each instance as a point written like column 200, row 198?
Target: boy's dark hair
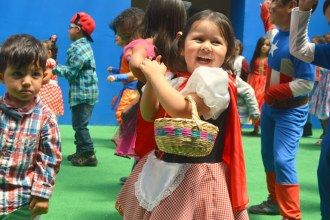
column 177, row 63
column 257, row 51
column 52, row 46
column 130, row 18
column 162, row 21
column 21, row 50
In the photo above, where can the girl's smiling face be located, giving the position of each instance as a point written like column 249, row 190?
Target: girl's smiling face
column 204, row 46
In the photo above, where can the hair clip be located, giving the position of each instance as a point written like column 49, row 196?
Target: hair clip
column 53, row 38
column 179, row 34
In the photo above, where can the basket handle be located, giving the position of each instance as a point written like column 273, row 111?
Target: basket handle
column 195, row 117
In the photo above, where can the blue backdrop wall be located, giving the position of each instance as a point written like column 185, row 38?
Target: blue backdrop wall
column 42, row 18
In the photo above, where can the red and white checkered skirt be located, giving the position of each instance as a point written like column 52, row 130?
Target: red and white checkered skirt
column 203, row 194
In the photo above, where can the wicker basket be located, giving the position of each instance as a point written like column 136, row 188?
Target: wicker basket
column 186, row 137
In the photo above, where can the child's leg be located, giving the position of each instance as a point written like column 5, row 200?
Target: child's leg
column 85, row 155
column 80, row 118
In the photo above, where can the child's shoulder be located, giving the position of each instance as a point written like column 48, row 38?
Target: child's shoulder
column 42, row 109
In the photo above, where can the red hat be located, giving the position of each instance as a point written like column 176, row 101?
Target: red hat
column 86, row 22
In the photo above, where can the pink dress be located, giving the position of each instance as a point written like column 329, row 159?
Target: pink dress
column 129, row 133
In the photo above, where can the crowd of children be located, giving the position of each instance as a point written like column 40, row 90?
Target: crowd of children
column 164, row 61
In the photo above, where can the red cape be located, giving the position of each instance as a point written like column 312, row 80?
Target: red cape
column 233, row 154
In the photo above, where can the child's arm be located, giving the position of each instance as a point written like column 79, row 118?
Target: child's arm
column 50, row 64
column 114, row 70
column 246, row 92
column 75, row 63
column 38, row 206
column 158, row 91
column 48, row 74
column 47, row 162
column 299, row 45
column 140, row 51
column 270, row 28
column 149, row 104
column 118, row 77
column 171, row 100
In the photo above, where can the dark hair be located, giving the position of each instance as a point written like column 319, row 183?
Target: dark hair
column 257, row 51
column 130, row 18
column 52, row 46
column 21, row 50
column 326, row 4
column 241, row 48
column 177, row 63
column 162, row 20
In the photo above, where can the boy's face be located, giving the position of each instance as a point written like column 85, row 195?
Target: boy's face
column 75, row 32
column 22, row 84
column 123, row 33
column 280, row 14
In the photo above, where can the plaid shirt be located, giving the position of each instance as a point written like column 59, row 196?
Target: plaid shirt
column 80, row 72
column 30, row 155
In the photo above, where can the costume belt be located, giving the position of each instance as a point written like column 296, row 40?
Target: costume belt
column 290, row 103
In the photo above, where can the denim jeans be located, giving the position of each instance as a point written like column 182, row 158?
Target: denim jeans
column 80, row 118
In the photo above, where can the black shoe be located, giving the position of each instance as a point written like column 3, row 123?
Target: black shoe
column 268, row 207
column 85, row 159
column 71, row 156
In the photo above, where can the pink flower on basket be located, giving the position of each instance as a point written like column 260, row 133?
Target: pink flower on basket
column 170, row 130
column 204, row 135
column 186, row 132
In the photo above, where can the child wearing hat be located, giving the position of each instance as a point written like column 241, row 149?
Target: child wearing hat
column 80, row 72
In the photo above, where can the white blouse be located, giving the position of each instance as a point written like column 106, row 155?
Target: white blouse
column 210, row 84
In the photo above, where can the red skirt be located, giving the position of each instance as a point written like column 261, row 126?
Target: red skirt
column 203, row 194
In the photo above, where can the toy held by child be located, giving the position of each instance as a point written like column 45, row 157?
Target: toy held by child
column 30, row 142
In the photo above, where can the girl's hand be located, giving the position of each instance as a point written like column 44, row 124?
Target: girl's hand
column 111, row 78
column 38, row 206
column 255, row 118
column 153, row 68
column 306, row 5
column 47, row 75
column 109, row 69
